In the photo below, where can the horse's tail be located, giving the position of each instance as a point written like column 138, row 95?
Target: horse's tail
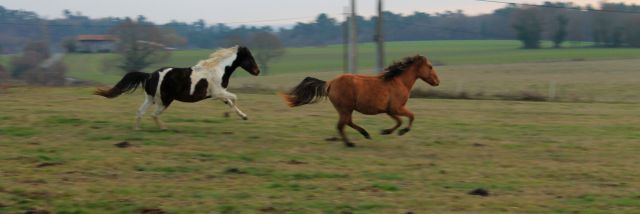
column 310, row 90
column 129, row 82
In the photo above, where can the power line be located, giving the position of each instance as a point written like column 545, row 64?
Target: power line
column 42, row 23
column 272, row 20
column 445, row 29
column 561, row 7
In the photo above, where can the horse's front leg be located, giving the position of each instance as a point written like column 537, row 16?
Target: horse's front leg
column 405, row 112
column 232, row 104
column 230, row 99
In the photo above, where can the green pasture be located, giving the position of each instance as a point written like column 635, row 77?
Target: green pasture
column 98, row 68
column 578, row 154
column 58, row 154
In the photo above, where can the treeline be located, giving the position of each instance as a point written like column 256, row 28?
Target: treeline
column 527, row 23
column 612, row 25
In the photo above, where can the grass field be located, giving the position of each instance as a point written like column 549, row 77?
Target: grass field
column 329, row 58
column 57, row 150
column 482, row 69
column 582, row 81
column 580, row 155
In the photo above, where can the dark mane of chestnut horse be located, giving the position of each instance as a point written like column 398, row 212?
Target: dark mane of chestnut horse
column 397, row 68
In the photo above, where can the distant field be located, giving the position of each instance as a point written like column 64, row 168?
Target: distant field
column 329, row 58
column 583, row 81
column 58, row 154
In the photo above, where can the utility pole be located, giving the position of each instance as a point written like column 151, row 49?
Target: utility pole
column 379, row 39
column 345, row 41
column 353, row 49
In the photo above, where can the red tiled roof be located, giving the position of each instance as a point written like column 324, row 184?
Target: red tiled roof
column 95, row 38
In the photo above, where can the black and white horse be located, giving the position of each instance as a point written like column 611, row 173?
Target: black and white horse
column 207, row 79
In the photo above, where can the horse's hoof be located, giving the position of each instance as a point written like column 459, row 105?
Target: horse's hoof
column 245, row 118
column 386, row 131
column 403, row 131
column 350, row 145
column 366, row 135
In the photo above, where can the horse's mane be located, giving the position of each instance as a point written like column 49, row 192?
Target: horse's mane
column 397, row 68
column 216, row 57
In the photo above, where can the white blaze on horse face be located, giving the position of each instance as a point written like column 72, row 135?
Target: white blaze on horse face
column 212, row 76
column 158, row 96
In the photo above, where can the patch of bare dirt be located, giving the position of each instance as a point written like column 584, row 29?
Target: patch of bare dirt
column 36, row 211
column 332, row 139
column 47, row 164
column 234, row 171
column 152, row 211
column 295, row 162
column 479, row 192
column 123, row 144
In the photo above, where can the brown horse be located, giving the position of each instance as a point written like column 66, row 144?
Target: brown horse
column 385, row 93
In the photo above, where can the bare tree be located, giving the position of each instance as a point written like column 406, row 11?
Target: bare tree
column 141, row 44
column 266, row 47
column 37, row 66
column 32, row 55
column 51, row 75
column 235, row 39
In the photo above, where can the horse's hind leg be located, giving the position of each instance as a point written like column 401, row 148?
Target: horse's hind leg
column 156, row 115
column 405, row 112
column 398, row 123
column 143, row 108
column 358, row 128
column 344, row 120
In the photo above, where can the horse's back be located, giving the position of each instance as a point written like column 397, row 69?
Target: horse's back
column 175, row 84
column 365, row 94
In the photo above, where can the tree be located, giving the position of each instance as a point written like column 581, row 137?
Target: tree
column 32, row 55
column 141, row 44
column 70, row 45
column 528, row 28
column 234, row 39
column 560, row 33
column 265, row 47
column 36, row 65
column 632, row 32
column 51, row 75
column 4, row 74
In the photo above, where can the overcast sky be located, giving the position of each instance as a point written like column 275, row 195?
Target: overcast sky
column 269, row 12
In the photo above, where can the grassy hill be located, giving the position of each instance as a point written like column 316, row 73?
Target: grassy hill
column 329, row 58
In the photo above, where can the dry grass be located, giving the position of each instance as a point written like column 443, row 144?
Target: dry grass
column 57, row 150
column 584, row 81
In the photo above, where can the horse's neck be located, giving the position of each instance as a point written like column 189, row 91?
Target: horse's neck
column 408, row 79
column 215, row 73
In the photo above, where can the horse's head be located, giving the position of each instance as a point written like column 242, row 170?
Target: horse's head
column 426, row 72
column 245, row 60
